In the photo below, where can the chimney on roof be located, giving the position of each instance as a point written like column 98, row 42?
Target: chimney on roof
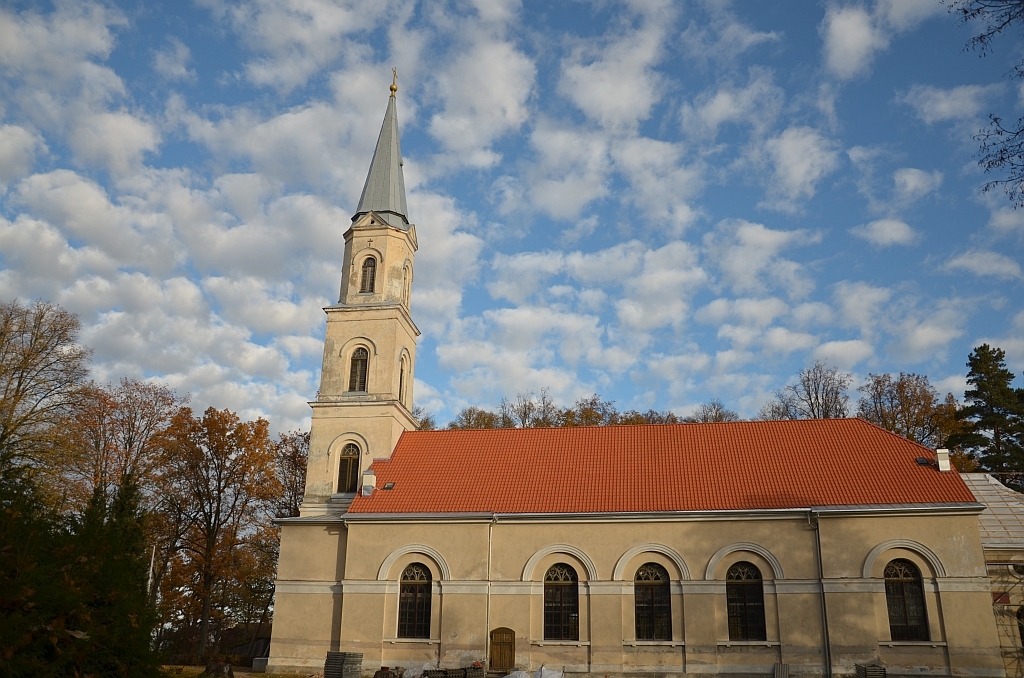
column 942, row 456
column 369, row 482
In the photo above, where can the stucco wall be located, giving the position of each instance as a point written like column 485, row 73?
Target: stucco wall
column 490, row 574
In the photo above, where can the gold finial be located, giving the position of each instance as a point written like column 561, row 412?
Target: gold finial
column 394, row 81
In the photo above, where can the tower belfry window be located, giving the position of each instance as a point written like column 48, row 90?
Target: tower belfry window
column 366, row 283
column 357, row 375
column 348, row 468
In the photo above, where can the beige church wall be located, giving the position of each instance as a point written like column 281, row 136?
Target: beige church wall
column 963, row 634
column 391, row 247
column 306, row 627
column 312, row 552
column 1008, row 594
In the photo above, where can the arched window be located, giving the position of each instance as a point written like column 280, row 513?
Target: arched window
column 357, row 375
column 406, row 284
column 561, row 603
column 348, row 468
column 744, row 593
column 904, row 596
column 369, row 275
column 414, row 602
column 652, row 603
column 401, row 380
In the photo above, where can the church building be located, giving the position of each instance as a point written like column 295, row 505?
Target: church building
column 782, row 547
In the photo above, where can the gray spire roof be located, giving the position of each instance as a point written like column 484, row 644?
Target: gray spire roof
column 384, row 190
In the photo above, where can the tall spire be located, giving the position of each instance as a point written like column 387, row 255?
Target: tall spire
column 384, row 190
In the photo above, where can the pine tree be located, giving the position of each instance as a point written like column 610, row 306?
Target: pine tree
column 994, row 413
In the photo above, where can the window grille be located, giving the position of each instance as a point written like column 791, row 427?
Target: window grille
column 414, row 602
column 744, row 593
column 348, row 468
column 357, row 375
column 652, row 603
column 369, row 275
column 904, row 596
column 561, row 603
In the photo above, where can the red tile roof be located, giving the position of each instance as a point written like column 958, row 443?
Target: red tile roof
column 673, row 467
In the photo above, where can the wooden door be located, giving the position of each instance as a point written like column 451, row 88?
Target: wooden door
column 503, row 649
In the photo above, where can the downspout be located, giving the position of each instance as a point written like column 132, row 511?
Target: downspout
column 812, row 520
column 487, row 631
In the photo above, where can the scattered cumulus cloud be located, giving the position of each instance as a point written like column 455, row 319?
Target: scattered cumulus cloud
column 800, row 157
column 934, row 104
column 886, row 232
column 984, row 263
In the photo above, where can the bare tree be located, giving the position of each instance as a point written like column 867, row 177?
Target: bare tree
column 712, row 411
column 819, row 393
column 474, row 417
column 291, row 451
column 424, row 420
column 42, row 368
column 1002, row 144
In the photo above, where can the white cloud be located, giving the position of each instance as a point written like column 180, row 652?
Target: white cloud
column 933, row 104
column 851, row 40
column 572, row 171
column 924, row 335
column 757, row 104
column 906, row 14
column 172, row 61
column 615, row 84
column 723, row 36
column 748, row 256
column 985, row 263
column 661, row 184
column 861, row 305
column 18, row 148
column 913, row 184
column 844, row 354
column 485, row 91
column 296, row 38
column 801, row 157
column 113, row 140
column 886, row 232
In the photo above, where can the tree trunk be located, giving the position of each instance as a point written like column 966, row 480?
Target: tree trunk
column 204, row 620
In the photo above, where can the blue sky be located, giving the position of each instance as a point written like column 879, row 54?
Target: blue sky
column 660, row 202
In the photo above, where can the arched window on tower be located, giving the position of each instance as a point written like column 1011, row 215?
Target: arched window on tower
column 406, row 284
column 652, row 603
column 366, row 283
column 348, row 468
column 561, row 603
column 357, row 374
column 904, row 596
column 401, row 380
column 744, row 594
column 414, row 602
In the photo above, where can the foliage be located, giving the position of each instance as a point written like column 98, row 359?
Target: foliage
column 72, row 592
column 224, row 469
column 290, row 453
column 1002, row 144
column 909, row 406
column 42, row 368
column 424, row 420
column 819, row 393
column 994, row 414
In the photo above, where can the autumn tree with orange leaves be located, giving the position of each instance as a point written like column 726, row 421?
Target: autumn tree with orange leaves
column 222, row 470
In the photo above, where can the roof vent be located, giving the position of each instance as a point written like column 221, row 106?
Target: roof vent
column 369, row 482
column 943, row 458
column 923, row 461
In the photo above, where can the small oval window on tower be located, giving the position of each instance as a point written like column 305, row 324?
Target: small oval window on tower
column 357, row 375
column 369, row 275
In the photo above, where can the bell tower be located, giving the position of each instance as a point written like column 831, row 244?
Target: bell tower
column 365, row 398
